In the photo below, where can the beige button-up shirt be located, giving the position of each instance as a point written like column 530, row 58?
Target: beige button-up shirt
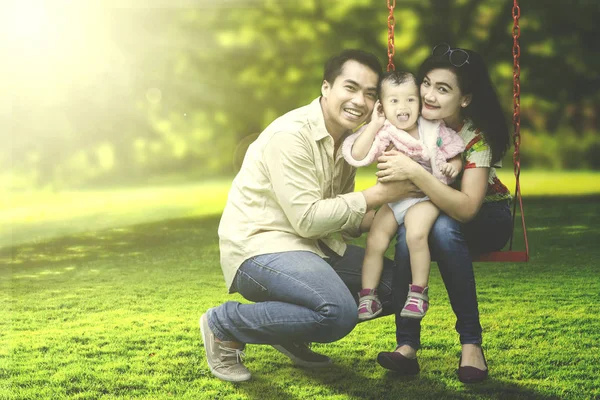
column 291, row 192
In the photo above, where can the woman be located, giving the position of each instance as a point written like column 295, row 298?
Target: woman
column 455, row 86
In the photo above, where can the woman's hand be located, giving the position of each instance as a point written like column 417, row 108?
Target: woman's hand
column 395, row 166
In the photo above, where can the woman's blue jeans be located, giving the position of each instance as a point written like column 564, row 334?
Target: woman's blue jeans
column 451, row 245
column 299, row 297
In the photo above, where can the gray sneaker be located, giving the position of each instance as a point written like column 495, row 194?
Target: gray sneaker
column 225, row 361
column 302, row 355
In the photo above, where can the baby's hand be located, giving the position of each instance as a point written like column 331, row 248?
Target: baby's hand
column 378, row 117
column 449, row 170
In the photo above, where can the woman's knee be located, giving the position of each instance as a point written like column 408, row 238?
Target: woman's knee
column 446, row 234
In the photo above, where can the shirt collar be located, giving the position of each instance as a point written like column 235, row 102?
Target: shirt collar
column 316, row 119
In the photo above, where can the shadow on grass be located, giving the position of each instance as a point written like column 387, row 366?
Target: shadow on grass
column 146, row 239
column 556, row 223
column 560, row 228
column 343, row 380
column 563, row 232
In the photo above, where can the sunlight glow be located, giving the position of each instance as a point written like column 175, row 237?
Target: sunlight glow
column 153, row 95
column 30, row 23
column 56, row 46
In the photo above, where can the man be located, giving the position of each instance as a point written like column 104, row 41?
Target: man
column 281, row 231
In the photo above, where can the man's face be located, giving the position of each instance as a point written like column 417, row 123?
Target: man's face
column 349, row 100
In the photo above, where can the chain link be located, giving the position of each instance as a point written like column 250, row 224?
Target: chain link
column 516, row 12
column 391, row 22
column 516, row 33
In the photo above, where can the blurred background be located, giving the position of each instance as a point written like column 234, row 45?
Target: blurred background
column 132, row 93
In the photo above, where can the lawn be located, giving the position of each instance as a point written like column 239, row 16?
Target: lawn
column 36, row 216
column 113, row 314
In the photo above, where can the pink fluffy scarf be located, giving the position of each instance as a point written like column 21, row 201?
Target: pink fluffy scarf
column 439, row 144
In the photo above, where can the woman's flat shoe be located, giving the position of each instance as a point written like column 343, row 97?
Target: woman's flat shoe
column 469, row 374
column 395, row 361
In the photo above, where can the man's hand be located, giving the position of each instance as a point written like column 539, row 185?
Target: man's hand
column 384, row 192
column 394, row 191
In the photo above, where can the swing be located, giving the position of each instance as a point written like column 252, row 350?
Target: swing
column 509, row 255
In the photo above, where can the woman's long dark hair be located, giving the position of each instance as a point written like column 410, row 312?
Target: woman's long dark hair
column 484, row 109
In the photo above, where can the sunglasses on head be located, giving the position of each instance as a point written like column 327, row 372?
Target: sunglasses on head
column 457, row 57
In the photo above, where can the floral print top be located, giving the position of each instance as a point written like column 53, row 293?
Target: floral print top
column 478, row 154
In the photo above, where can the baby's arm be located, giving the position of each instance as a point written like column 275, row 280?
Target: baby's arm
column 363, row 143
column 452, row 167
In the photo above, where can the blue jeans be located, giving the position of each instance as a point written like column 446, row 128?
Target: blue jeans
column 451, row 245
column 299, row 297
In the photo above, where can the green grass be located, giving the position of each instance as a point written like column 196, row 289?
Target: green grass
column 35, row 216
column 113, row 314
column 533, row 183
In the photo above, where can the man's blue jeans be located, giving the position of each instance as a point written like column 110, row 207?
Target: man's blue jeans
column 299, row 297
column 451, row 245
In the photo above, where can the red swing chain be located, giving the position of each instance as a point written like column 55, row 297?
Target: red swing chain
column 391, row 23
column 510, row 256
column 516, row 33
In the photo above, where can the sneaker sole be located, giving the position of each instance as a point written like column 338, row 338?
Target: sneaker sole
column 300, row 362
column 369, row 316
column 205, row 332
column 411, row 314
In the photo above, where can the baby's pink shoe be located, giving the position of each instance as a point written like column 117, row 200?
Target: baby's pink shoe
column 369, row 305
column 417, row 302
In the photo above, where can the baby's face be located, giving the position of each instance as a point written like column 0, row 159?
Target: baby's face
column 401, row 104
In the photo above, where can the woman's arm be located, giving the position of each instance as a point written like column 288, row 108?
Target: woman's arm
column 461, row 205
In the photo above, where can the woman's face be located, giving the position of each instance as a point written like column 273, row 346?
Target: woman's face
column 441, row 96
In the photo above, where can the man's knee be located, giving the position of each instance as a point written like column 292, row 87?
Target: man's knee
column 338, row 320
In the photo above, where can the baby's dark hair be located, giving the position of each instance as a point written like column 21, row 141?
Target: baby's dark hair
column 396, row 78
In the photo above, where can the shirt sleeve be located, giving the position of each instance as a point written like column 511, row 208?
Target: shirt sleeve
column 478, row 153
column 292, row 169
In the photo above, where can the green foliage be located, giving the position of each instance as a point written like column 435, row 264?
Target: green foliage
column 113, row 314
column 564, row 150
column 173, row 91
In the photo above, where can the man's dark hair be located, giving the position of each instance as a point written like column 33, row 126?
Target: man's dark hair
column 333, row 67
column 396, row 78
